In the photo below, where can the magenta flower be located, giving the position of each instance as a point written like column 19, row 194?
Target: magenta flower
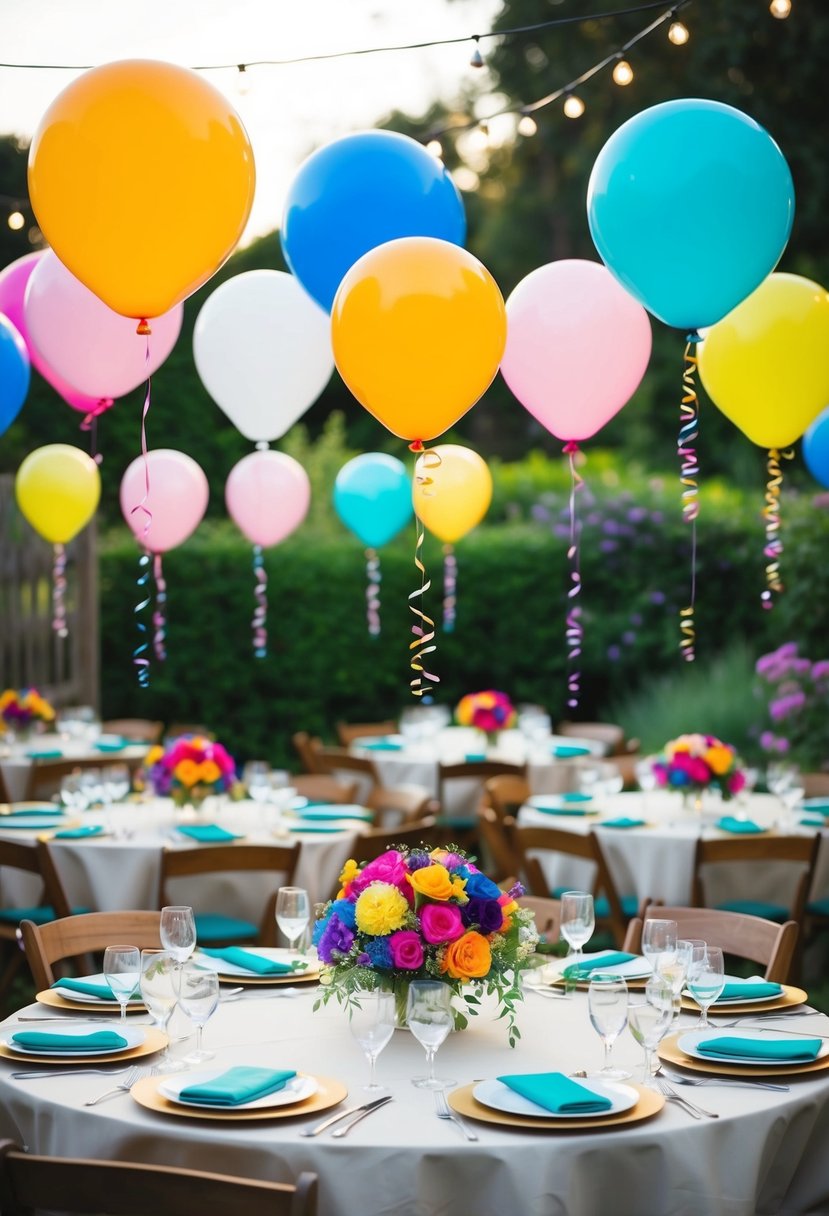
column 406, row 949
column 388, row 867
column 441, row 922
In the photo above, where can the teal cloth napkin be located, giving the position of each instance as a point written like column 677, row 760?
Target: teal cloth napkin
column 816, row 804
column 622, row 822
column 237, row 1085
column 606, row 963
column 563, row 810
column 748, row 990
column 78, row 833
column 46, row 754
column 566, row 751
column 575, row 796
column 103, row 991
column 110, row 745
column 255, row 962
column 474, row 757
column 762, row 1049
column 740, row 827
column 32, row 810
column 813, row 821
column 100, row 1040
column 557, row 1093
column 333, row 812
column 382, row 745
column 312, row 827
column 206, row 833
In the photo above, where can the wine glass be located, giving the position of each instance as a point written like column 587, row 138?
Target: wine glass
column 578, row 920
column 256, row 777
column 293, row 912
column 674, row 967
column 198, row 999
column 178, row 932
column 607, row 1000
column 372, row 1025
column 159, row 992
column 116, row 782
column 650, row 1020
column 429, row 1017
column 706, row 979
column 122, row 971
column 658, row 941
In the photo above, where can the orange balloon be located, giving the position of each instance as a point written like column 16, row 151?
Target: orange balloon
column 141, row 177
column 418, row 328
column 452, row 497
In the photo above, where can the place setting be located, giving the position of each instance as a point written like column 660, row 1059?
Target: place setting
column 578, row 920
column 240, row 1093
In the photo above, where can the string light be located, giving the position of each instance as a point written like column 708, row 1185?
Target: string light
column 16, row 221
column 623, row 73
column 435, row 147
column 678, row 33
column 780, row 8
column 527, row 125
column 242, row 81
column 573, row 106
column 477, row 60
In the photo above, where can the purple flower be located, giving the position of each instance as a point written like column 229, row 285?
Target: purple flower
column 820, row 670
column 336, row 939
column 657, row 597
column 608, row 546
column 487, row 914
column 629, row 637
column 614, row 653
column 417, row 861
column 637, row 514
column 783, row 707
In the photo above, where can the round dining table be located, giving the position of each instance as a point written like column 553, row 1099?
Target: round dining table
column 757, row 1152
column 16, row 759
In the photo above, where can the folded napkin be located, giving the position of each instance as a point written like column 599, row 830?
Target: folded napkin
column 334, row 812
column 816, row 804
column 813, row 821
column 312, row 827
column 575, row 796
column 206, row 833
column 45, row 754
column 237, row 1085
column 78, row 833
column 474, row 757
column 563, row 810
column 748, row 990
column 745, row 827
column 557, row 1093
column 87, row 987
column 381, row 745
column 100, row 1040
column 622, row 822
column 565, row 751
column 762, row 1049
column 606, row 963
column 27, row 811
column 255, row 962
column 110, row 745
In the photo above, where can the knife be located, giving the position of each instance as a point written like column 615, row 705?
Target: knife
column 350, row 1110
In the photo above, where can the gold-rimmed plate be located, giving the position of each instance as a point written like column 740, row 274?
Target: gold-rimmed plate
column 228, row 973
column 788, row 998
column 55, row 1000
column 463, row 1102
column 671, row 1053
column 329, row 1093
column 154, row 1040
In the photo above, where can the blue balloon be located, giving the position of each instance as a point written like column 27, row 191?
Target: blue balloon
column 15, row 373
column 690, row 205
column 816, row 448
column 373, row 497
column 359, row 192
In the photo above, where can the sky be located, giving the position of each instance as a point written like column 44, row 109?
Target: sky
column 289, row 110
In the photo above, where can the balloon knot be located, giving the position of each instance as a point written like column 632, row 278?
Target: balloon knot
column 416, row 445
column 692, row 336
column 143, row 327
column 570, row 448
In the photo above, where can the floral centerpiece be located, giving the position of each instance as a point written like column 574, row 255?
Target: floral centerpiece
column 693, row 763
column 798, row 706
column 488, row 711
column 189, row 770
column 415, row 914
column 22, row 710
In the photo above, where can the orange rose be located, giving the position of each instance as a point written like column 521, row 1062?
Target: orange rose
column 209, row 772
column 434, row 882
column 187, row 772
column 469, row 958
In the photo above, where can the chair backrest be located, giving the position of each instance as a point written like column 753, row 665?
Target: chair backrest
column 31, row 1182
column 320, row 787
column 141, row 729
column 502, row 861
column 72, row 937
column 347, row 732
column 46, row 775
column 815, row 785
column 529, row 839
column 800, row 851
column 609, row 733
column 506, row 793
column 36, row 859
column 475, row 769
column 547, row 914
column 337, row 760
column 176, row 729
column 749, row 937
column 4, row 790
column 400, row 806
column 306, row 747
column 376, row 841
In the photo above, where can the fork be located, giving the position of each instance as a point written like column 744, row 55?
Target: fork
column 696, row 1111
column 443, row 1112
column 134, row 1074
column 728, row 1082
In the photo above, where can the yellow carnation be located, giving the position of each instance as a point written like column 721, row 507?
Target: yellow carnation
column 153, row 756
column 381, row 909
column 434, row 882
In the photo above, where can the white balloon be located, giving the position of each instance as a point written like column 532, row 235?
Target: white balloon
column 262, row 348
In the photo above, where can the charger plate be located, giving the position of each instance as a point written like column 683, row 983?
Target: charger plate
column 670, row 1052
column 237, row 978
column 789, row 996
column 329, row 1093
column 154, row 1040
column 464, row 1103
column 56, row 1001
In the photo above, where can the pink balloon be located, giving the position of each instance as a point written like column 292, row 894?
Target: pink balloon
column 90, row 346
column 267, row 496
column 176, row 502
column 14, row 279
column 577, row 346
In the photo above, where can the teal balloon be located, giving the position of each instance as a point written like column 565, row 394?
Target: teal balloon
column 373, row 497
column 815, row 448
column 690, row 205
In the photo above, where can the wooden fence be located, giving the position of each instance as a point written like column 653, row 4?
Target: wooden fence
column 31, row 654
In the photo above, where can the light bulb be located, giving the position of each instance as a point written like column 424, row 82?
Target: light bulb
column 242, row 81
column 527, row 125
column 435, row 148
column 573, row 106
column 477, row 60
column 16, row 221
column 623, row 72
column 678, row 33
column 780, row 8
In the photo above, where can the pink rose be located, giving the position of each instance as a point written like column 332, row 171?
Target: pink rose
column 441, row 922
column 388, row 867
column 736, row 781
column 406, row 949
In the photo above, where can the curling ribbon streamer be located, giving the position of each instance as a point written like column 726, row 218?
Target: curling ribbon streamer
column 139, row 654
column 689, row 468
column 450, row 583
column 574, row 631
column 159, row 621
column 424, row 627
column 373, row 578
column 59, row 592
column 88, row 421
column 771, row 513
column 260, row 612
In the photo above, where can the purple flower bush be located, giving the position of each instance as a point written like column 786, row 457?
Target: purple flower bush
column 797, row 694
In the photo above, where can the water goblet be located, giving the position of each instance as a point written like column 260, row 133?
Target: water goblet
column 122, row 971
column 429, row 1017
column 116, row 782
column 578, row 920
column 256, row 777
column 706, row 979
column 650, row 1020
column 198, row 999
column 159, row 992
column 293, row 912
column 72, row 792
column 673, row 967
column 372, row 1025
column 607, row 1001
column 658, row 940
column 178, row 932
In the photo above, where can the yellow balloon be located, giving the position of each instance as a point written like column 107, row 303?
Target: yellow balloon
column 57, row 489
column 141, row 177
column 451, row 497
column 418, row 327
column 766, row 364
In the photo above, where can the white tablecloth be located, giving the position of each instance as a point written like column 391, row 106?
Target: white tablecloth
column 17, row 764
column 764, row 1156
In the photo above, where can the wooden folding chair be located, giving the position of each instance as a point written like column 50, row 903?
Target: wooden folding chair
column 339, row 763
column 375, row 841
column 320, row 787
column 547, row 914
column 141, row 730
column 506, row 793
column 347, row 732
column 32, row 1182
column 799, row 851
column 51, row 903
column 608, row 733
column 46, row 775
column 501, row 861
column 459, row 828
column 400, row 805
column 306, row 747
column 75, row 938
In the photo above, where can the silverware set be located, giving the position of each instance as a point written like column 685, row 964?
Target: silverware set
column 443, row 1111
column 359, row 1112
